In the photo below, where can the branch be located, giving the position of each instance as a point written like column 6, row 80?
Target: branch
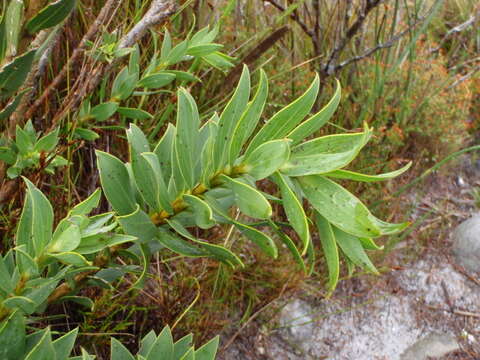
column 351, row 32
column 159, row 11
column 294, row 17
column 76, row 55
column 380, row 46
column 457, row 29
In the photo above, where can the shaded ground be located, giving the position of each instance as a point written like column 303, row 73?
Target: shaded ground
column 427, row 296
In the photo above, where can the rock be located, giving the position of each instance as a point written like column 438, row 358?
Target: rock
column 432, row 345
column 466, row 244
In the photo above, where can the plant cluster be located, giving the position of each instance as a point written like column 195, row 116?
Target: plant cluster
column 207, row 170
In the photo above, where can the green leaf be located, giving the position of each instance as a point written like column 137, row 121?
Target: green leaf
column 350, row 175
column 48, row 142
column 166, row 45
column 86, row 134
column 124, row 84
column 80, row 300
column 68, row 240
column 229, row 120
column 267, row 158
column 339, row 206
column 103, row 111
column 43, row 349
column 208, row 350
column 177, row 53
column 13, row 20
column 204, row 49
column 12, row 105
column 249, row 200
column 12, row 337
column 217, row 252
column 206, row 165
column 87, row 205
column 315, row 122
column 63, row 345
column 250, row 117
column 14, row 74
column 218, row 60
column 164, row 150
column 50, row 15
column 162, row 190
column 330, row 251
column 162, row 347
column 284, row 121
column 182, row 75
column 325, row 154
column 288, row 242
column 41, row 220
column 6, row 284
column 179, row 245
column 352, row 248
column 7, row 155
column 264, row 242
column 294, row 211
column 138, row 224
column 144, row 175
column 137, row 114
column 118, row 351
column 71, row 258
column 146, row 343
column 157, row 80
column 20, row 302
column 116, row 183
column 96, row 243
column 181, row 346
column 187, row 137
column 201, row 211
column 23, row 141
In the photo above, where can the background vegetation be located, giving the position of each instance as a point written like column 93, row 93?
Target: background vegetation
column 409, row 69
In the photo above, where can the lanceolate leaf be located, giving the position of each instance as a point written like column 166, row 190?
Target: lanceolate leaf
column 249, row 120
column 201, row 211
column 187, row 139
column 339, row 206
column 249, row 200
column 325, row 154
column 41, row 220
column 284, row 121
column 116, row 183
column 216, row 251
column 312, row 124
column 208, row 351
column 13, row 19
column 162, row 191
column 350, row 175
column 51, row 15
column 267, row 158
column 87, row 205
column 229, row 119
column 294, row 210
column 12, row 336
column 264, row 242
column 138, row 224
column 164, row 149
column 12, row 105
column 330, row 250
column 14, row 74
column 178, row 245
column 352, row 248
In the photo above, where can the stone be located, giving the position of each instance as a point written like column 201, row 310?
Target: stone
column 466, row 244
column 433, row 345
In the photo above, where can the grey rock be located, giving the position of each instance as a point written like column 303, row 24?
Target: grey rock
column 432, row 345
column 466, row 244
